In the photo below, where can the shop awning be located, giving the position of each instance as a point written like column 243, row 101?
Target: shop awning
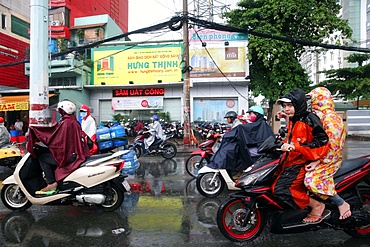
column 16, row 103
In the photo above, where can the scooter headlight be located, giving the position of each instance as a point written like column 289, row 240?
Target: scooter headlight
column 249, row 179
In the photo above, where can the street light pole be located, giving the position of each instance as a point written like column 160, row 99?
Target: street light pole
column 186, row 72
column 39, row 80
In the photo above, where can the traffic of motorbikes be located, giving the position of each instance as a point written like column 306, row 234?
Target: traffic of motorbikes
column 241, row 217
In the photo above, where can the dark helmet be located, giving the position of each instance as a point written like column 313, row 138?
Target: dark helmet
column 231, row 114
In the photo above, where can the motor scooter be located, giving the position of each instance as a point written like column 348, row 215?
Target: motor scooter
column 11, row 154
column 211, row 182
column 244, row 215
column 98, row 181
column 202, row 156
column 167, row 149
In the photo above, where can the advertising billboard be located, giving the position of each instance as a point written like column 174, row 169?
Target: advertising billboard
column 138, row 65
column 211, row 62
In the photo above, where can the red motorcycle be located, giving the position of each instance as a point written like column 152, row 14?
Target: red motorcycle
column 201, row 157
column 243, row 216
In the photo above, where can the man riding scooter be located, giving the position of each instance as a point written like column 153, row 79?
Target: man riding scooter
column 65, row 148
column 236, row 153
column 155, row 131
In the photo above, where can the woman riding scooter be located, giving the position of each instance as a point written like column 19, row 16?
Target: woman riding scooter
column 66, row 148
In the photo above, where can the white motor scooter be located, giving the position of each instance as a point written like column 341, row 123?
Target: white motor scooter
column 98, row 181
column 211, row 182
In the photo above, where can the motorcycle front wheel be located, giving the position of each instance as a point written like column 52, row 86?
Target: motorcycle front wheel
column 114, row 198
column 210, row 185
column 194, row 163
column 169, row 151
column 239, row 223
column 13, row 197
column 137, row 151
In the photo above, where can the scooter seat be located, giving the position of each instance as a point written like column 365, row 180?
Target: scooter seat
column 350, row 165
column 93, row 158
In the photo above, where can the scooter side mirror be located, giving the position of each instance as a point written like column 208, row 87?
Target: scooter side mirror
column 282, row 132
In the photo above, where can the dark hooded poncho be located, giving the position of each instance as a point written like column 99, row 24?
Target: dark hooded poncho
column 233, row 153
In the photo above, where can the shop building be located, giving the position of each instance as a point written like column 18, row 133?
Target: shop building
column 139, row 80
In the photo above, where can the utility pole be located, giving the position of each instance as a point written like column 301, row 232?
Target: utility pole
column 186, row 70
column 39, row 81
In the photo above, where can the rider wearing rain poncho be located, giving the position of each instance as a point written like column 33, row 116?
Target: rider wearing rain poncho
column 234, row 153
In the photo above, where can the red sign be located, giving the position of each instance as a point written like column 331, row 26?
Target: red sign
column 230, row 103
column 138, row 92
column 144, row 103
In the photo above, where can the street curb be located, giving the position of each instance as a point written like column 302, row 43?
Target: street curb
column 359, row 138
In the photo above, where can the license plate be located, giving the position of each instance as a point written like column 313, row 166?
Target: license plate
column 126, row 185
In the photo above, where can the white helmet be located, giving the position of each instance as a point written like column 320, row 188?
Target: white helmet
column 67, row 106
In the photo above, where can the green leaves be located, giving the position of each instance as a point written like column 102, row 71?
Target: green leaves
column 274, row 65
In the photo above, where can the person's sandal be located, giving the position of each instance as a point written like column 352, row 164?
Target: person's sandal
column 46, row 193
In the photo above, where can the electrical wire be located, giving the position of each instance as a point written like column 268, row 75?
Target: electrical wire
column 206, row 24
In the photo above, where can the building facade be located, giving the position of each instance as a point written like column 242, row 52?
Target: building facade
column 67, row 75
column 357, row 12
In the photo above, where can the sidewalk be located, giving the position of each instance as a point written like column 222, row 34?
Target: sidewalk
column 187, row 149
column 359, row 137
column 181, row 148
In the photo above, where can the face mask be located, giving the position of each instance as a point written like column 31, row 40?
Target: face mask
column 252, row 118
column 83, row 114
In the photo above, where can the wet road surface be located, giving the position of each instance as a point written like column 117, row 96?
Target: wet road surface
column 164, row 209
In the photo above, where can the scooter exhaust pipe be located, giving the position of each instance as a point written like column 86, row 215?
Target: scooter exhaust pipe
column 91, row 198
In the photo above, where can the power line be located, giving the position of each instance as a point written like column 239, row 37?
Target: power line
column 175, row 24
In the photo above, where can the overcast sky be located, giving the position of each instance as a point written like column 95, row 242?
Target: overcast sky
column 144, row 13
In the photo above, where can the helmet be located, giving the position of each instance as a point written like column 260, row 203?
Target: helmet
column 155, row 117
column 1, row 120
column 256, row 109
column 231, row 114
column 67, row 106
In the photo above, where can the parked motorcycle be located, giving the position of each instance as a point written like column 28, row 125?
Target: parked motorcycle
column 98, row 181
column 165, row 148
column 11, row 154
column 243, row 216
column 201, row 157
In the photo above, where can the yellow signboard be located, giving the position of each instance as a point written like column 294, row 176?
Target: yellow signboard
column 137, row 65
column 14, row 106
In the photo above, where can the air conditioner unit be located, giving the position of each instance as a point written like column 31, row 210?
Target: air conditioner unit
column 55, row 23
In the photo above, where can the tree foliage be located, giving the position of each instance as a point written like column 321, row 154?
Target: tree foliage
column 350, row 83
column 274, row 65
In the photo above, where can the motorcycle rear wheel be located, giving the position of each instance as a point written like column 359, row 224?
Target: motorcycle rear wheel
column 194, row 163
column 364, row 231
column 239, row 223
column 13, row 197
column 114, row 198
column 169, row 151
column 209, row 187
